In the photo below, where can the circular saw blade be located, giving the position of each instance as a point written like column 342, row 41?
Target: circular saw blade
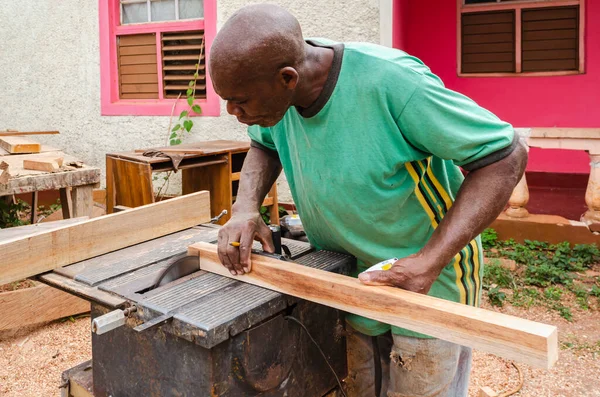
column 181, row 266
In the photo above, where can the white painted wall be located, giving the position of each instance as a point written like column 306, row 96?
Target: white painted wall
column 50, row 73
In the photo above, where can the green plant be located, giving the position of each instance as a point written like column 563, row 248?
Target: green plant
column 496, row 296
column 553, row 293
column 46, row 211
column 185, row 123
column 13, row 214
column 489, row 238
column 525, row 297
column 494, row 273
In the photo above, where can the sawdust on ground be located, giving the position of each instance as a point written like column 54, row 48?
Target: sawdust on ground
column 31, row 362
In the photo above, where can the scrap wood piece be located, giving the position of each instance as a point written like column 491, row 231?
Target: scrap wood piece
column 49, row 164
column 4, row 175
column 507, row 336
column 23, row 257
column 18, row 144
column 39, row 304
column 20, row 133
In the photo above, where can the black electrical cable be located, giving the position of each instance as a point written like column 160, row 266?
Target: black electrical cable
column 320, row 351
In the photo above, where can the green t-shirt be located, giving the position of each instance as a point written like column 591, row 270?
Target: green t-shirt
column 373, row 165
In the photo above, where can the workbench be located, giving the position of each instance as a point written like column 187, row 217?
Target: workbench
column 214, row 166
column 74, row 184
column 222, row 337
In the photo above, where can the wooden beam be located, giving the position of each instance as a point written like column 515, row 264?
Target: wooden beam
column 43, row 164
column 36, row 305
column 21, row 133
column 31, row 255
column 507, row 336
column 17, row 144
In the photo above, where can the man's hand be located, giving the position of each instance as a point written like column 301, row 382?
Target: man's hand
column 412, row 273
column 242, row 228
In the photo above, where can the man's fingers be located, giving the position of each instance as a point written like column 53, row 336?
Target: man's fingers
column 222, row 245
column 233, row 253
column 377, row 277
column 246, row 240
column 266, row 239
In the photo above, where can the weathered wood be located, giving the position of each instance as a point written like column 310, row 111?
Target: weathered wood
column 26, row 257
column 83, row 201
column 507, row 336
column 17, row 144
column 66, row 203
column 4, row 174
column 40, row 164
column 22, row 133
column 36, row 305
column 19, row 231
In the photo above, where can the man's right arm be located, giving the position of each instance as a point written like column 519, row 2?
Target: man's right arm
column 260, row 170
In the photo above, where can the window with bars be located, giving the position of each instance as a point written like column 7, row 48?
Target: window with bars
column 516, row 37
column 152, row 52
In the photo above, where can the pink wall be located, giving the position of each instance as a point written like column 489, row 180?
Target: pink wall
column 427, row 30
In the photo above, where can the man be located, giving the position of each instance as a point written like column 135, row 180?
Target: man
column 371, row 143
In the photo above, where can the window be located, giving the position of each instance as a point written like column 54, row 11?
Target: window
column 512, row 37
column 150, row 51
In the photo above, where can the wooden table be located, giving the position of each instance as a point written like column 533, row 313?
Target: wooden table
column 74, row 184
column 215, row 166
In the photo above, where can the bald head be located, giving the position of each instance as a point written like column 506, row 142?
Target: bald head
column 257, row 40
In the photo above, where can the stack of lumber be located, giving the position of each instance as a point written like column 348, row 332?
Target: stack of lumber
column 14, row 143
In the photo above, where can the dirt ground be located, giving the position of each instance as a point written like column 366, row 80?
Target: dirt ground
column 31, row 363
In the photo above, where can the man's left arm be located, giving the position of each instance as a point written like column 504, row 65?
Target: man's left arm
column 440, row 122
column 481, row 198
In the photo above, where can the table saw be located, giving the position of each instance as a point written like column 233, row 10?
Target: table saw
column 202, row 334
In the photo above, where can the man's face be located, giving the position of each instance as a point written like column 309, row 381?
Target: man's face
column 262, row 101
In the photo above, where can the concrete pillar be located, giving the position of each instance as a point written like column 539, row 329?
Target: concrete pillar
column 592, row 193
column 518, row 200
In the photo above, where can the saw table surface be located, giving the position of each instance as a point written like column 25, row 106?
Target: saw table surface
column 207, row 308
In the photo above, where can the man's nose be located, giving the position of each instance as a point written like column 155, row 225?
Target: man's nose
column 234, row 109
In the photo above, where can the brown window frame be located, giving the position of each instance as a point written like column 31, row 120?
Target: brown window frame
column 517, row 6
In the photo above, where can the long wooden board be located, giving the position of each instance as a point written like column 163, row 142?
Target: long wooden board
column 36, row 305
column 21, row 133
column 507, row 336
column 17, row 144
column 31, row 255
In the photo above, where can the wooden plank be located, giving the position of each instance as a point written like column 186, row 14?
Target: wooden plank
column 36, row 305
column 549, row 14
column 489, row 57
column 482, row 48
column 83, row 201
column 139, row 78
column 137, row 69
column 41, row 164
column 562, row 64
column 507, row 336
column 550, row 25
column 182, row 57
column 137, row 39
column 22, row 133
column 487, row 18
column 138, row 50
column 215, row 179
column 489, row 38
column 146, row 95
column 488, row 67
column 183, row 67
column 489, row 28
column 17, row 144
column 22, row 258
column 138, row 88
column 550, row 34
column 66, row 202
column 133, row 183
column 563, row 44
column 20, row 231
column 171, row 36
column 137, row 59
column 549, row 55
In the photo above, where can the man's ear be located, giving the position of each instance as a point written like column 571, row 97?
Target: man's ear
column 289, row 77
